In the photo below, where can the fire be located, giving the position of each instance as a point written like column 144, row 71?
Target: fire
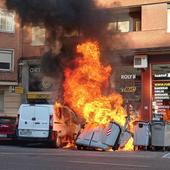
column 129, row 145
column 84, row 86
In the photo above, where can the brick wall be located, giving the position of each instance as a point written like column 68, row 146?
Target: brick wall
column 11, row 41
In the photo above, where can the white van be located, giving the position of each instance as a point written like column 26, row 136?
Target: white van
column 35, row 122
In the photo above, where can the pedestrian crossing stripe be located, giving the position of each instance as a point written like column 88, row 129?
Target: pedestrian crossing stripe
column 167, row 155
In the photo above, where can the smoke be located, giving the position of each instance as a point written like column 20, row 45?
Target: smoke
column 64, row 16
column 69, row 14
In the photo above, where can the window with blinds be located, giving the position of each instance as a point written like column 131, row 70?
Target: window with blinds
column 6, row 60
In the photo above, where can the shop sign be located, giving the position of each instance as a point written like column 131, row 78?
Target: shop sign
column 131, row 89
column 128, row 76
column 38, row 96
column 19, row 90
column 161, row 92
column 162, row 75
column 34, row 70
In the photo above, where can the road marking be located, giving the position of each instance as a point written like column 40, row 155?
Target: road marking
column 166, row 155
column 112, row 164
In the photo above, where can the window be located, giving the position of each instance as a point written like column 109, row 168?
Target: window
column 127, row 81
column 38, row 36
column 36, row 80
column 119, row 26
column 7, row 21
column 6, row 60
column 1, row 101
column 125, row 22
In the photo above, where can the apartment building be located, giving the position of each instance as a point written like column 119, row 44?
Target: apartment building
column 142, row 42
column 138, row 35
column 10, row 53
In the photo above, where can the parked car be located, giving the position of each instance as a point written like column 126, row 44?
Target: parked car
column 35, row 122
column 7, row 127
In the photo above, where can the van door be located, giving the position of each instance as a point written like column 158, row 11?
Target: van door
column 27, row 116
column 42, row 117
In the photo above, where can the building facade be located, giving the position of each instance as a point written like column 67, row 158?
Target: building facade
column 143, row 32
column 10, row 53
column 139, row 35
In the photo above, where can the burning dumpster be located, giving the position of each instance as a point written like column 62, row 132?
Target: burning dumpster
column 142, row 134
column 102, row 137
column 160, row 134
column 85, row 92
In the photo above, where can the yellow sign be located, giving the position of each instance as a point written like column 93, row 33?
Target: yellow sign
column 34, row 95
column 131, row 89
column 19, row 90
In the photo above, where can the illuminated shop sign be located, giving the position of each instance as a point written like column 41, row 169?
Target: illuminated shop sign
column 162, row 75
column 161, row 91
column 130, row 89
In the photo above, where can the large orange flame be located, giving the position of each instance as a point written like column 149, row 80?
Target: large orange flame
column 84, row 86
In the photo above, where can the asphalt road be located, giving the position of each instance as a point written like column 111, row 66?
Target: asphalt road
column 41, row 158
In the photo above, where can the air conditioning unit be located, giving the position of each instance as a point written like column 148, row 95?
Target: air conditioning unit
column 140, row 61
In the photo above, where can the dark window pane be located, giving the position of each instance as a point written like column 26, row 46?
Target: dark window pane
column 4, row 66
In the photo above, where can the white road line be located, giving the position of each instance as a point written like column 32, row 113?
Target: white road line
column 112, row 164
column 166, row 155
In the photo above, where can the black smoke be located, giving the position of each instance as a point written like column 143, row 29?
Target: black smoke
column 70, row 14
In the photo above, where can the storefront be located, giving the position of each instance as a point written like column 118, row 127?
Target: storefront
column 38, row 88
column 146, row 89
column 161, row 91
column 35, row 88
column 128, row 84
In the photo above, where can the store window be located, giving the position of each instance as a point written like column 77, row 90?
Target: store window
column 7, row 23
column 161, row 91
column 1, row 101
column 128, row 84
column 36, row 79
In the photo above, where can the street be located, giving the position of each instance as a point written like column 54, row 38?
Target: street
column 43, row 158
